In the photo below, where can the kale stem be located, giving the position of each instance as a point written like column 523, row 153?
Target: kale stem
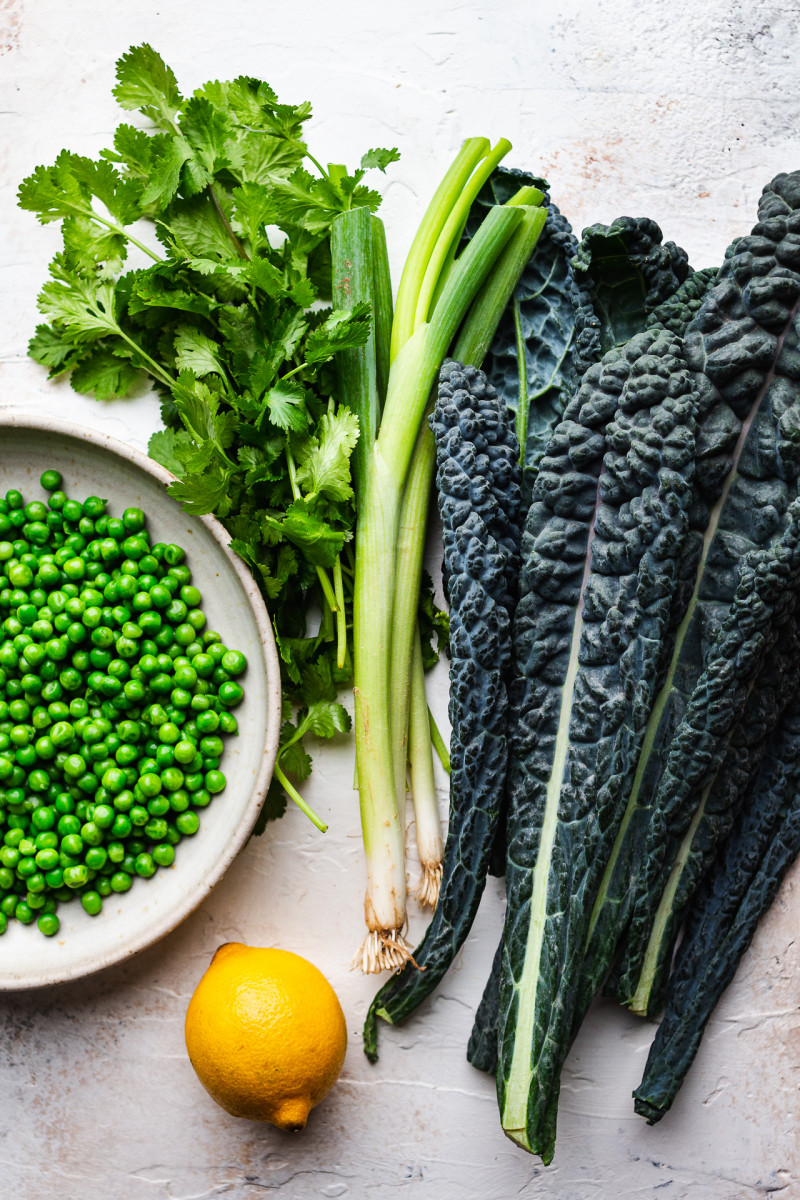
column 240, row 250
column 522, row 399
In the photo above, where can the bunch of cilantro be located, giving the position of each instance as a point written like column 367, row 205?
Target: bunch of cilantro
column 232, row 231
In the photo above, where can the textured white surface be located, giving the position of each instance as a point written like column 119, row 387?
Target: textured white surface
column 681, row 112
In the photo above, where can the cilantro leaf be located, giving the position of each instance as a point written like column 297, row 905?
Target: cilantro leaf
column 144, row 81
column 324, row 461
column 272, row 809
column 207, row 493
column 318, row 540
column 165, row 446
column 380, row 158
column 150, row 290
column 434, row 625
column 325, row 718
column 104, row 374
column 91, row 247
column 295, row 760
column 207, row 132
column 286, row 405
column 84, row 307
column 196, row 228
column 52, row 348
column 164, row 176
column 196, row 352
column 66, row 188
column 343, row 329
column 252, row 212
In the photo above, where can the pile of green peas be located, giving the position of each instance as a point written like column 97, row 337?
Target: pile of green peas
column 114, row 699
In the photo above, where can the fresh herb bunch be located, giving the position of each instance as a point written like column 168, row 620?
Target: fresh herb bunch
column 224, row 318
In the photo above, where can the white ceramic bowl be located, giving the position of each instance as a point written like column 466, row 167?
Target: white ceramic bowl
column 93, row 464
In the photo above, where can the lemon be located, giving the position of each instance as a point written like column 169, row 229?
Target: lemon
column 266, row 1034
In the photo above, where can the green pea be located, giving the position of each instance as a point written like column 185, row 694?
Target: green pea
column 91, row 834
column 96, row 858
column 163, row 854
column 150, row 784
column 172, row 779
column 184, row 752
column 121, row 826
column 93, row 506
column 211, row 746
column 43, row 818
column 234, row 662
column 72, row 844
column 75, row 877
column 121, row 881
column 215, row 781
column 91, row 903
column 50, row 481
column 49, row 924
column 187, row 823
column 144, row 866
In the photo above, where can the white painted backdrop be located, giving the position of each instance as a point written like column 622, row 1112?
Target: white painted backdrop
column 681, row 112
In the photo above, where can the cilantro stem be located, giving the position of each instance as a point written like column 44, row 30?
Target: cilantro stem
column 322, row 574
column 121, row 230
column 294, row 371
column 328, row 591
column 341, row 623
column 298, row 799
column 240, row 250
column 313, row 160
column 438, row 742
column 157, row 370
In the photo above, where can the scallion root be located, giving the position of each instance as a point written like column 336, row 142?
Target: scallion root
column 427, row 886
column 382, row 951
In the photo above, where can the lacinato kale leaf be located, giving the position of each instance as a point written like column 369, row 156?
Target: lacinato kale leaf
column 575, row 301
column 716, row 805
column 741, row 347
column 601, row 547
column 735, row 894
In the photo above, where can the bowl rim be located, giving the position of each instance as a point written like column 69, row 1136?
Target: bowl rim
column 203, row 887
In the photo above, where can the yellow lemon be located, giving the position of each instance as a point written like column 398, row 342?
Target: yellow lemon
column 266, row 1034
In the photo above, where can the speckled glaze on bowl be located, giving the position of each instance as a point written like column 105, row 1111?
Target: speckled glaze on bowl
column 94, row 464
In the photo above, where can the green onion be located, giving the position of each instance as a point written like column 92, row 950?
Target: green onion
column 391, row 530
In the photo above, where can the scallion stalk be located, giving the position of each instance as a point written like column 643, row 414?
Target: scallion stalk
column 428, row 829
column 474, row 339
column 411, row 378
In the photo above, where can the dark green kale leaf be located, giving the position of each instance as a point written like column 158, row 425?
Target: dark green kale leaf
column 742, row 348
column 738, row 890
column 601, row 547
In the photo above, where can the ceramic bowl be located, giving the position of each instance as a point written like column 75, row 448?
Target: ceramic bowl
column 94, row 464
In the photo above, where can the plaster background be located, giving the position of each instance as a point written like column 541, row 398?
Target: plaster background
column 682, row 112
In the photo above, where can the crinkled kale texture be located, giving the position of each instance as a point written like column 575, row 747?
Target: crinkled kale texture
column 738, row 890
column 601, row 547
column 743, row 349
